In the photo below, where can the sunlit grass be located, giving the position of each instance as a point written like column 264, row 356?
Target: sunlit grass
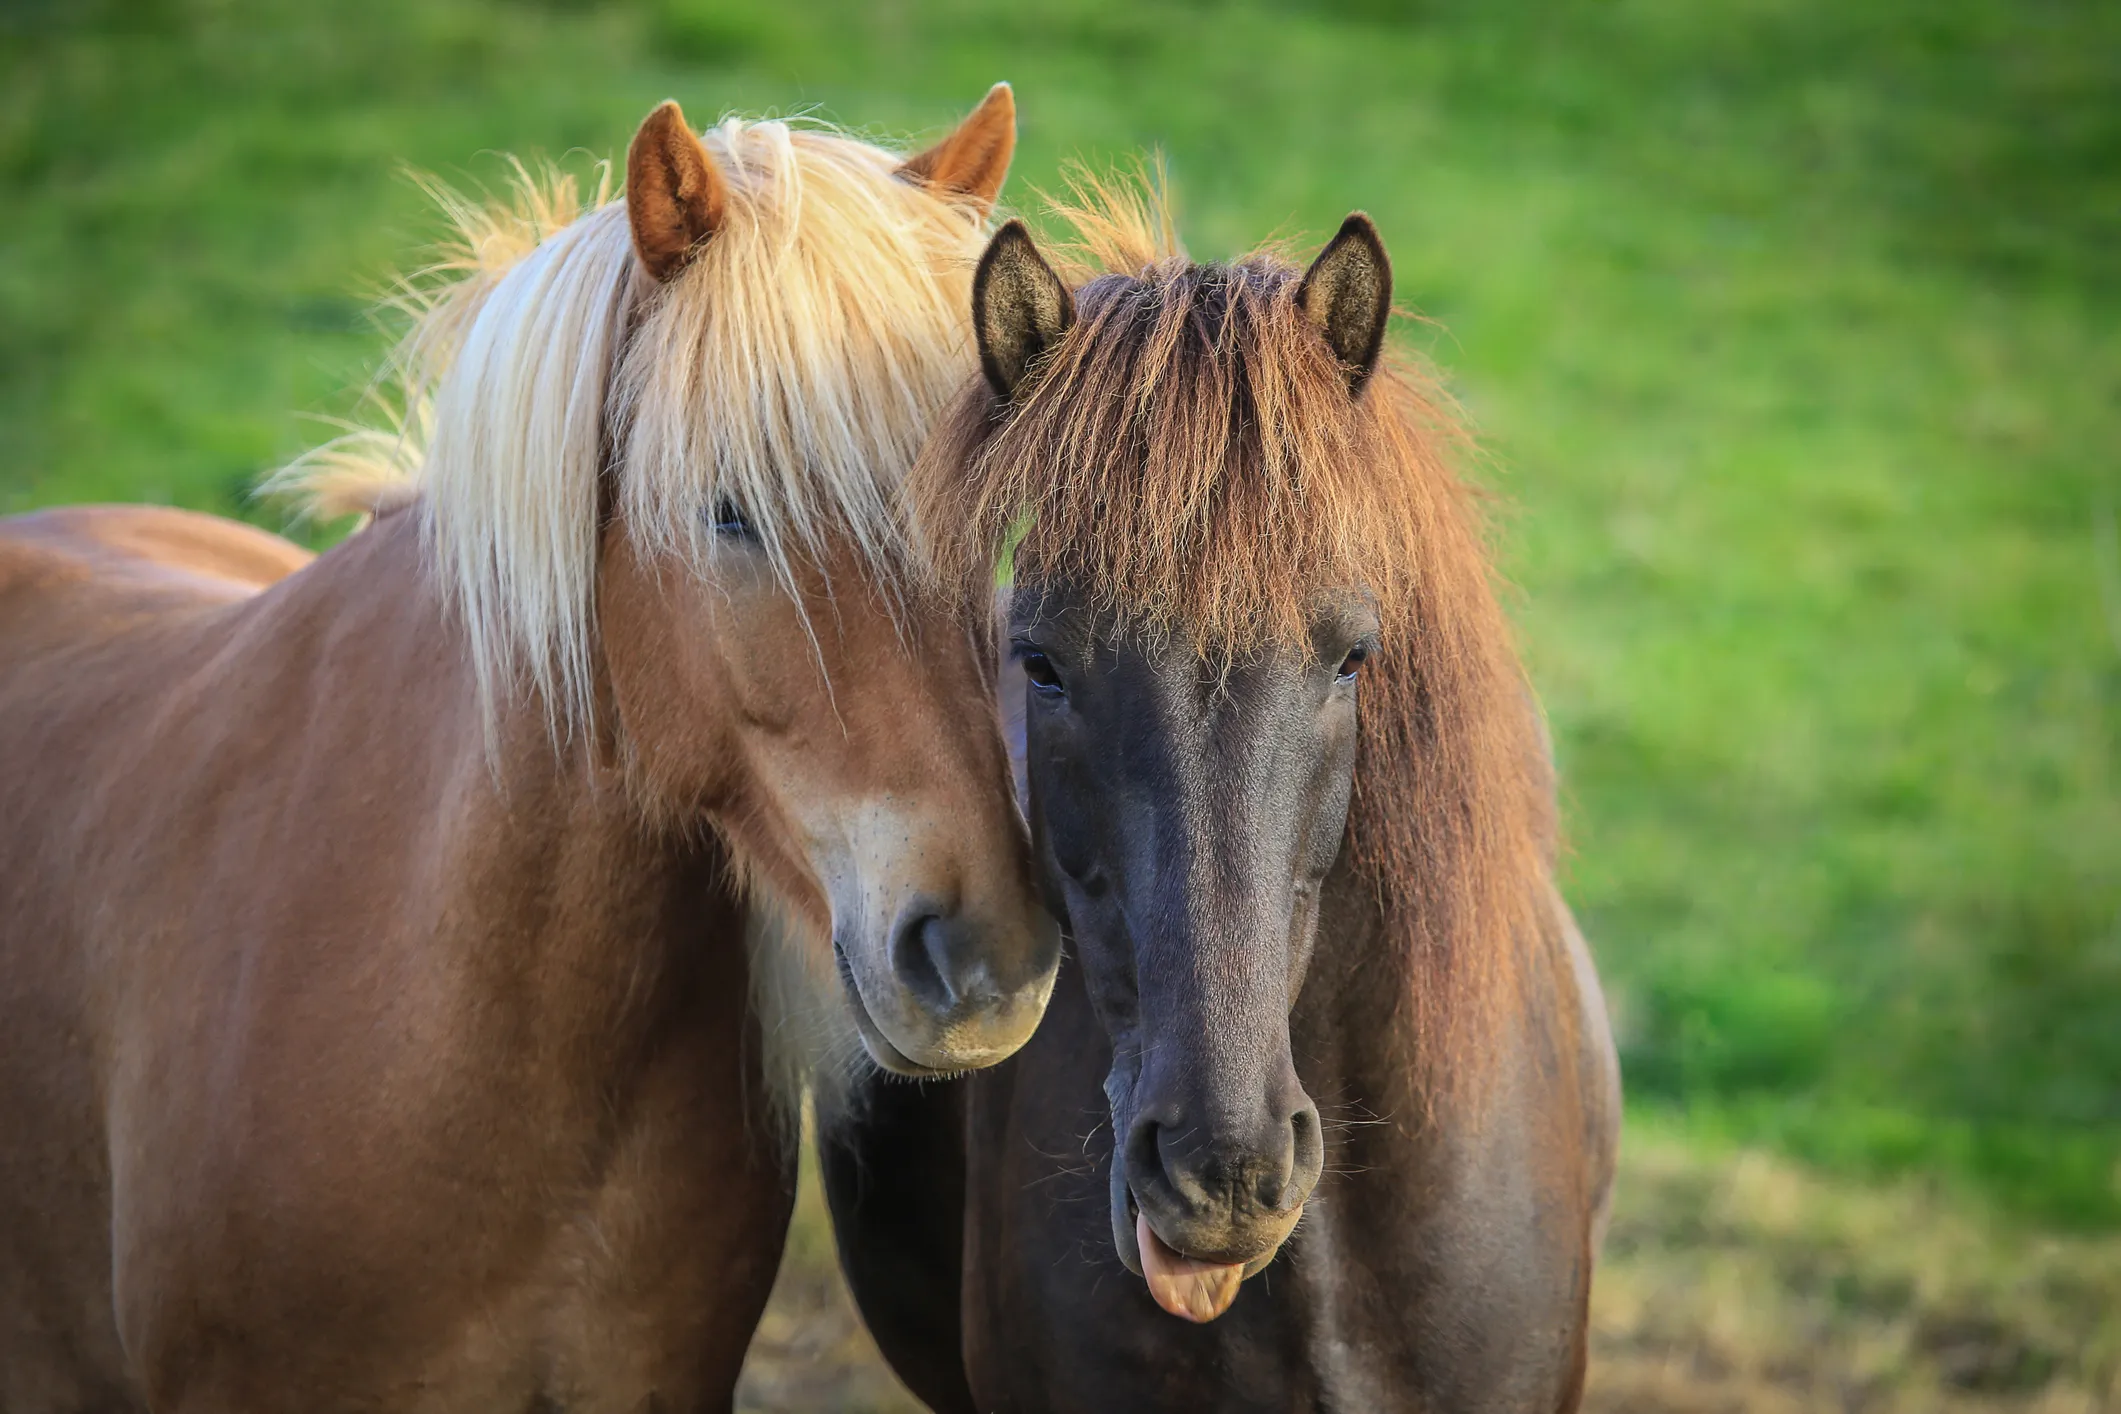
column 1736, row 1280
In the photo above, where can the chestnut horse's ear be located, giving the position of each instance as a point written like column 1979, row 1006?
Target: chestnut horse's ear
column 1347, row 293
column 974, row 159
column 675, row 194
column 1020, row 308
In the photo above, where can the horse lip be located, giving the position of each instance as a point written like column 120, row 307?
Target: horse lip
column 880, row 1047
column 1123, row 1238
column 1129, row 1246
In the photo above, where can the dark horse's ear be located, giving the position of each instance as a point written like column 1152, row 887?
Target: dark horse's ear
column 1020, row 308
column 1347, row 293
column 675, row 195
column 974, row 160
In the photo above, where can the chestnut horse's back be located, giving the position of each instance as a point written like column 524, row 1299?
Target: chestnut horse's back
column 80, row 554
column 97, row 606
column 78, row 582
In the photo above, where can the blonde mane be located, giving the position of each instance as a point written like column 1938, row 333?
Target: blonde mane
column 1189, row 458
column 792, row 370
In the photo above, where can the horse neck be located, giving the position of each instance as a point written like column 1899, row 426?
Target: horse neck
column 1396, row 1115
column 513, row 871
column 1465, row 1208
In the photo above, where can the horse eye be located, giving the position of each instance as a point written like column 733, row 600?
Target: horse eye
column 1039, row 668
column 729, row 521
column 1350, row 665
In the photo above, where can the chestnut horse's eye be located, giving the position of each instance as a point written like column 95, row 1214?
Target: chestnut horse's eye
column 1039, row 668
column 730, row 521
column 1350, row 665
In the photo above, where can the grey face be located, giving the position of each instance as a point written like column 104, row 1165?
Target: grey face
column 1186, row 813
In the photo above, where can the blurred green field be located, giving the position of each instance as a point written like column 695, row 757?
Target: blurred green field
column 1793, row 328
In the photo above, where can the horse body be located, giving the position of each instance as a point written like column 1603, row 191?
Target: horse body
column 412, row 956
column 1330, row 1031
column 481, row 1022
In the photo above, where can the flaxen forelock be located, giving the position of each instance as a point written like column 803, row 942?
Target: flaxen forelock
column 792, row 368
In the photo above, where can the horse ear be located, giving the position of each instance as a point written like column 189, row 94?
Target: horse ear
column 1020, row 308
column 1347, row 293
column 675, row 195
column 974, row 159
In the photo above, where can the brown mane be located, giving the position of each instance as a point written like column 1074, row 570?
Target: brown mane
column 1189, row 457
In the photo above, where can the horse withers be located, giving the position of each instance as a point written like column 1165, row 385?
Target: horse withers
column 410, row 960
column 1330, row 1081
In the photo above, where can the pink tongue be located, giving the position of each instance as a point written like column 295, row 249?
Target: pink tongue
column 1185, row 1286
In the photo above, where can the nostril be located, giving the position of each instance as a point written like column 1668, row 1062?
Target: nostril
column 1172, row 1162
column 920, row 956
column 941, row 961
column 1302, row 1162
column 1146, row 1172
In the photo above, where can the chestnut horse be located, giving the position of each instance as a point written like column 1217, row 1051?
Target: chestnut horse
column 1291, row 798
column 396, row 947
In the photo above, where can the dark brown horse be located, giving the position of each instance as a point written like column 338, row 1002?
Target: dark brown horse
column 396, row 948
column 1290, row 796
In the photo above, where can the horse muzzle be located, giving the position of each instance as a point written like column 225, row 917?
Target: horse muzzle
column 944, row 992
column 1198, row 1207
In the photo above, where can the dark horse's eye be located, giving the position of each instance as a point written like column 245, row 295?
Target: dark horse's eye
column 1350, row 665
column 1039, row 668
column 730, row 521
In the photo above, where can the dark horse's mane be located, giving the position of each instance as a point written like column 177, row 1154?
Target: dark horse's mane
column 1189, row 456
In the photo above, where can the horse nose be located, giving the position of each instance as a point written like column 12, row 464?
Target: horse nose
column 1220, row 1190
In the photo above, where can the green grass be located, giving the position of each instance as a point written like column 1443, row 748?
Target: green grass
column 1794, row 327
